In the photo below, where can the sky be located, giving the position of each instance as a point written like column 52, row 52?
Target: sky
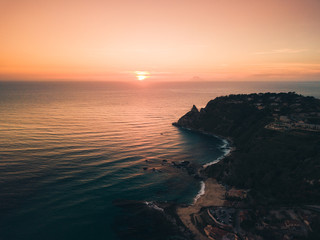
column 167, row 40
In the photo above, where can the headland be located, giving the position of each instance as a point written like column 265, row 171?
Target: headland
column 269, row 187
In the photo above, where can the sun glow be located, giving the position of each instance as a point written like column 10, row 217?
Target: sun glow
column 141, row 75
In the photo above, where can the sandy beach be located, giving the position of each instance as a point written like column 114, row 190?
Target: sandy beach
column 214, row 196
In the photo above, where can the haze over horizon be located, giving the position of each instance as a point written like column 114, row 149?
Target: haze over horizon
column 168, row 40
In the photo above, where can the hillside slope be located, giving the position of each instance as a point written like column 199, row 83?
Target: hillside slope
column 277, row 140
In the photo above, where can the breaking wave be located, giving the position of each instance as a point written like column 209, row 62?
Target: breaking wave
column 201, row 191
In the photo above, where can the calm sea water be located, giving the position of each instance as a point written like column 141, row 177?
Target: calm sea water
column 69, row 151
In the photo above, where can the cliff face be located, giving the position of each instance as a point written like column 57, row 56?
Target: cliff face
column 277, row 142
column 190, row 119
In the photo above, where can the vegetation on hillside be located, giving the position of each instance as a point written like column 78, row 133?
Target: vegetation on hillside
column 277, row 143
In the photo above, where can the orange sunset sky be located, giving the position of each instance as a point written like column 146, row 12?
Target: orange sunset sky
column 206, row 40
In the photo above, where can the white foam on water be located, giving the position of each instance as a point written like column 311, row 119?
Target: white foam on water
column 201, row 191
column 226, row 150
column 154, row 206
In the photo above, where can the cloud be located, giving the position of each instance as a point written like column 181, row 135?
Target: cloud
column 280, row 51
column 283, row 71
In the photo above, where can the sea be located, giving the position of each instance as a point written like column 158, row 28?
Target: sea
column 79, row 160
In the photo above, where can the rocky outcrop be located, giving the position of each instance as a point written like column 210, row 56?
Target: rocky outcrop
column 190, row 119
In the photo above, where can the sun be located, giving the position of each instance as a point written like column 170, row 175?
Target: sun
column 141, row 75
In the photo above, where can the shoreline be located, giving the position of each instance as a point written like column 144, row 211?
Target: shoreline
column 246, row 208
column 211, row 193
column 229, row 143
column 214, row 195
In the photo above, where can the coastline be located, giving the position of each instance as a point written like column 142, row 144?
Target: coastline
column 211, row 193
column 245, row 208
column 229, row 149
column 213, row 196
